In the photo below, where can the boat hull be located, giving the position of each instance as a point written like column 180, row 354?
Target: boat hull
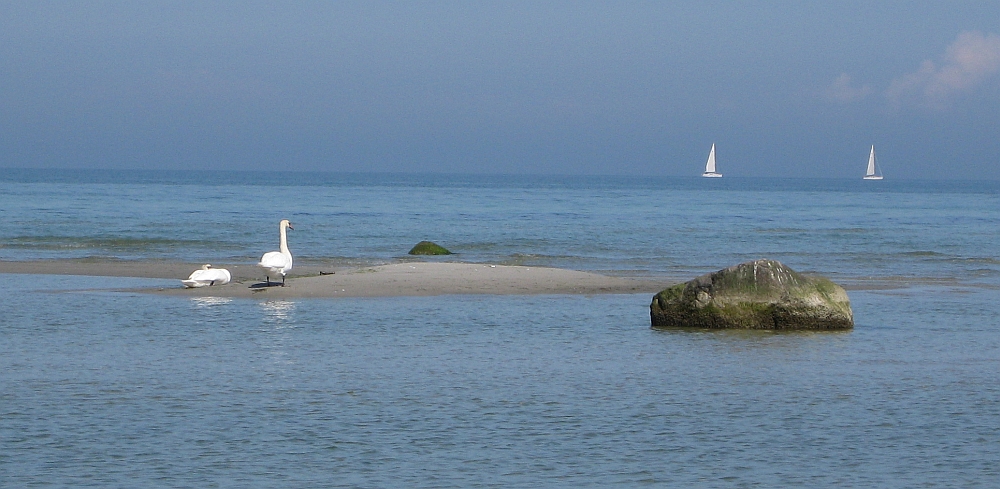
column 711, row 175
column 871, row 177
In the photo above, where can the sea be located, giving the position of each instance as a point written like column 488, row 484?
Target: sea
column 104, row 388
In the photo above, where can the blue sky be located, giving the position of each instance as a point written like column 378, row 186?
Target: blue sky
column 798, row 89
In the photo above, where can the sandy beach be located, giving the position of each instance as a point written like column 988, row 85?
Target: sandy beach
column 401, row 279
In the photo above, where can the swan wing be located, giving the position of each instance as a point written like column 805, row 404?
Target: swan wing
column 202, row 274
column 220, row 276
column 208, row 276
column 276, row 260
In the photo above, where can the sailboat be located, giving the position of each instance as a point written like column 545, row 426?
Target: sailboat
column 710, row 165
column 873, row 172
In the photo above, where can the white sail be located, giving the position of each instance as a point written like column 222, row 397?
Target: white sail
column 871, row 174
column 710, row 165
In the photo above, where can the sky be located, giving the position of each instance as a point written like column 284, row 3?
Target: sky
column 783, row 88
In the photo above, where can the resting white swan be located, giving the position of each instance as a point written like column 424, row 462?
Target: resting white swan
column 207, row 275
column 278, row 261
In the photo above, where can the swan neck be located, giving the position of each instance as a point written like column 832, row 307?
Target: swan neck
column 283, row 240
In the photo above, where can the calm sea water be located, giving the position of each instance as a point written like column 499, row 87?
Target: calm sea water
column 109, row 389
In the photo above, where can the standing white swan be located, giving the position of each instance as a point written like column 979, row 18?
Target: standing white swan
column 278, row 261
column 208, row 276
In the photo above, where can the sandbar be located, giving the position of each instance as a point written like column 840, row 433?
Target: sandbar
column 393, row 280
column 429, row 279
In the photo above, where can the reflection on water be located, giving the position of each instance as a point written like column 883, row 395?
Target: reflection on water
column 279, row 318
column 280, row 310
column 210, row 301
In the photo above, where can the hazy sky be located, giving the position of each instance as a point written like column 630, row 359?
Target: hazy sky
column 785, row 88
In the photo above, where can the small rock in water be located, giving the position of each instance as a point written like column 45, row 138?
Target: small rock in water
column 428, row 248
column 762, row 294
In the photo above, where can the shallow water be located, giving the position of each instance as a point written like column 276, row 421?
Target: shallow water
column 107, row 389
column 113, row 389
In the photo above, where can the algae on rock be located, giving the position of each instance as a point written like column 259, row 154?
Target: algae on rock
column 428, row 248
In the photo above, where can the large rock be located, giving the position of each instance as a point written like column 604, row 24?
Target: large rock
column 762, row 294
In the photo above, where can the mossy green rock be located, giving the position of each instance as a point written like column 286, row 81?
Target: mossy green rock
column 762, row 294
column 429, row 248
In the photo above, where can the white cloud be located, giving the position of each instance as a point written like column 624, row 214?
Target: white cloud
column 842, row 91
column 968, row 62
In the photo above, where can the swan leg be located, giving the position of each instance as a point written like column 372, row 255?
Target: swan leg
column 282, row 280
column 211, row 283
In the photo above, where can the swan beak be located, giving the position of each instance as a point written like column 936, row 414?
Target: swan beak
column 290, row 227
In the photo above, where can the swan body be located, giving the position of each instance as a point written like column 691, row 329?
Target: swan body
column 278, row 262
column 208, row 276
